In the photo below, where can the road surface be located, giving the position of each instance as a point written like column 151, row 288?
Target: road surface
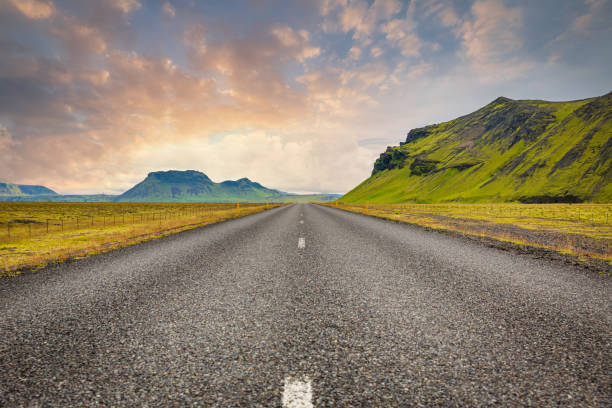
column 306, row 306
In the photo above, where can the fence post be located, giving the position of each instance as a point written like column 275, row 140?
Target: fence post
column 62, row 221
column 29, row 230
column 47, row 226
column 8, row 229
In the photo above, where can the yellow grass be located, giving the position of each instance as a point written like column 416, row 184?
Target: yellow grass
column 581, row 230
column 36, row 234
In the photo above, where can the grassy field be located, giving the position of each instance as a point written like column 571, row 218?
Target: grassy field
column 581, row 230
column 36, row 234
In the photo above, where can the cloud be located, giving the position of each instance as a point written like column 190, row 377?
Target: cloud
column 6, row 143
column 33, row 9
column 168, row 9
column 354, row 53
column 126, row 6
column 443, row 11
column 295, row 40
column 312, row 163
column 327, row 6
column 400, row 33
column 359, row 16
column 355, row 17
column 385, row 9
column 376, row 52
column 94, row 94
column 79, row 39
column 251, row 68
column 91, row 118
column 585, row 21
column 491, row 38
column 597, row 11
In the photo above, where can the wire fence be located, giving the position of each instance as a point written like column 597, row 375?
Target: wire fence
column 20, row 224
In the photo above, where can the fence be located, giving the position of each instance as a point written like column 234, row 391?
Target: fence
column 23, row 225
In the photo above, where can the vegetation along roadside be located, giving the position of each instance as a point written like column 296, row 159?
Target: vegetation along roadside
column 581, row 232
column 33, row 235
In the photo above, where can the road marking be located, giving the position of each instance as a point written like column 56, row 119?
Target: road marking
column 301, row 243
column 301, row 221
column 297, row 393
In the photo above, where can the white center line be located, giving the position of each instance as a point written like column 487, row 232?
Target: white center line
column 297, row 393
column 301, row 243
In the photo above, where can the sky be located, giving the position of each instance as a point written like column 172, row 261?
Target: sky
column 300, row 95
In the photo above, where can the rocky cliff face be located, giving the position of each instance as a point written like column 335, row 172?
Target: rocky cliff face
column 508, row 150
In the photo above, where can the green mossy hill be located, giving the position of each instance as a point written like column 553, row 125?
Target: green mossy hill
column 509, row 150
column 194, row 186
column 7, row 189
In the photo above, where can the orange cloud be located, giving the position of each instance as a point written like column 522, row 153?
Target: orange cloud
column 34, row 9
column 125, row 6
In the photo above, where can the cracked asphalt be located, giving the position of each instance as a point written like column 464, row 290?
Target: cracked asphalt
column 372, row 312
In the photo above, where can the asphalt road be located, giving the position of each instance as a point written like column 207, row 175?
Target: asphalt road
column 306, row 306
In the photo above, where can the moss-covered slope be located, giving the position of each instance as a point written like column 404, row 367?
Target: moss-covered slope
column 510, row 150
column 190, row 185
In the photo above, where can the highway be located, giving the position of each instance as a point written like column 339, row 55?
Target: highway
column 304, row 306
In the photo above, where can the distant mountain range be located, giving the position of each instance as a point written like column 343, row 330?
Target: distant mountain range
column 169, row 186
column 7, row 189
column 509, row 150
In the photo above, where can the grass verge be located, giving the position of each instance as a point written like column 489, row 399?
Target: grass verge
column 33, row 235
column 579, row 231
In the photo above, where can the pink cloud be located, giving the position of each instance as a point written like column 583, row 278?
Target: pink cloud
column 491, row 38
column 126, row 6
column 34, row 9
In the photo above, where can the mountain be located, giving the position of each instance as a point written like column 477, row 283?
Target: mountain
column 7, row 189
column 509, row 150
column 169, row 186
column 61, row 198
column 194, row 186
